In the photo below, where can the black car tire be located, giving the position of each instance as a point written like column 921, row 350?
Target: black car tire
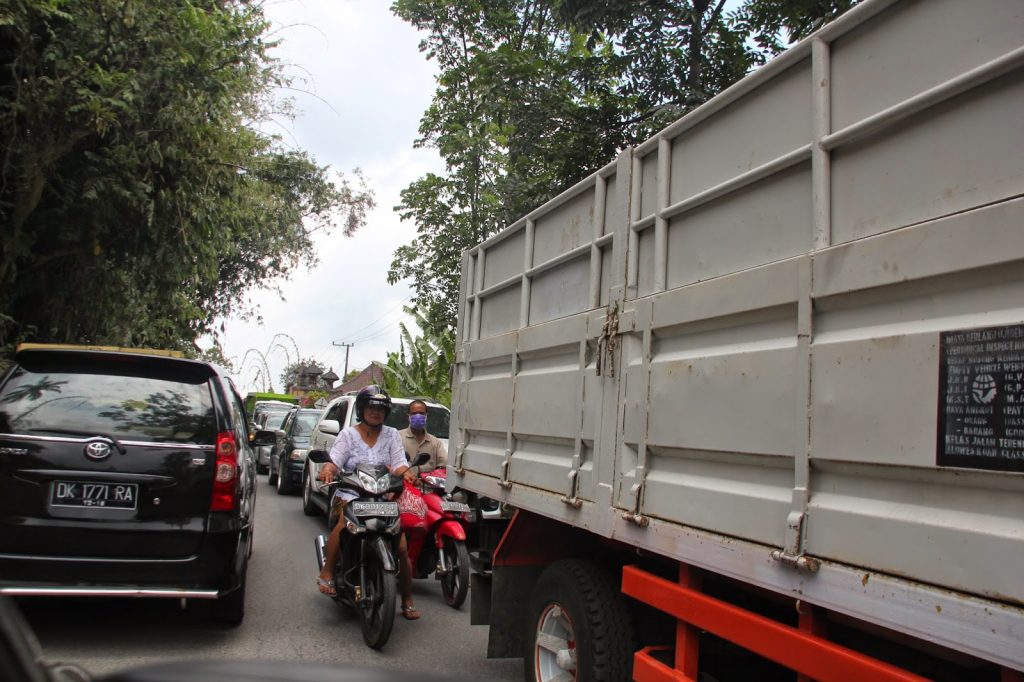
column 284, row 486
column 576, row 601
column 309, row 507
column 272, row 473
column 230, row 609
column 260, row 469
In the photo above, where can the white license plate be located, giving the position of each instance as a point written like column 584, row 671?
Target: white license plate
column 460, row 507
column 374, row 508
column 94, row 494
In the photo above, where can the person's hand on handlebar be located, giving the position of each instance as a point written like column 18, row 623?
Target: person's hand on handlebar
column 328, row 472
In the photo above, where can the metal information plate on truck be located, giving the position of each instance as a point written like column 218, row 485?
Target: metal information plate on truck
column 360, row 508
column 981, row 398
column 460, row 507
column 94, row 494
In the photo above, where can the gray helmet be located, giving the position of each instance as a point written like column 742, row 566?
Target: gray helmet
column 372, row 395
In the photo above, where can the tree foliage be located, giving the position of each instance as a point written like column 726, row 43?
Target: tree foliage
column 138, row 198
column 534, row 95
column 423, row 364
column 291, row 376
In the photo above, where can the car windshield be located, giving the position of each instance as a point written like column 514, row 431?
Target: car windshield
column 129, row 407
column 437, row 419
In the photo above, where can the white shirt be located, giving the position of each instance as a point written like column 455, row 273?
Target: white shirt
column 349, row 449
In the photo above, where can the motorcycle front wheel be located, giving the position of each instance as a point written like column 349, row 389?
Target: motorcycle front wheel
column 377, row 608
column 455, row 582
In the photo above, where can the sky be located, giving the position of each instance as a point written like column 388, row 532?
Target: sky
column 361, row 86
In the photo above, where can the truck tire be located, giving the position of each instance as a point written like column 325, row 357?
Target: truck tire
column 578, row 623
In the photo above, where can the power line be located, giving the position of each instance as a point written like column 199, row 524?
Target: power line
column 357, row 331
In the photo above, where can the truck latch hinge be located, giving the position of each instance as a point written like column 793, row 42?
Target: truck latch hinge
column 635, row 516
column 792, row 554
column 608, row 341
column 574, row 483
column 505, row 466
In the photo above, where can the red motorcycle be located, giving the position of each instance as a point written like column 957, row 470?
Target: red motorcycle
column 435, row 528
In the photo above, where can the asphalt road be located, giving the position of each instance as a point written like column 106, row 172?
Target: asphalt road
column 286, row 618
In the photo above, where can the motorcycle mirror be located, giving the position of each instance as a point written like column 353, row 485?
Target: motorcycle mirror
column 318, row 456
column 421, row 458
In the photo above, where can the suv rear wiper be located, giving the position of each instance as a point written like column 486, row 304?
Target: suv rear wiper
column 73, row 432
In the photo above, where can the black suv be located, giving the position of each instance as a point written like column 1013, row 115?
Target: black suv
column 288, row 456
column 124, row 473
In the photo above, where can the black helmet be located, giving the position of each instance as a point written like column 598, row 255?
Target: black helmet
column 372, row 395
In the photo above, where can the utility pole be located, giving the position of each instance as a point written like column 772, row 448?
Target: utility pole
column 346, row 346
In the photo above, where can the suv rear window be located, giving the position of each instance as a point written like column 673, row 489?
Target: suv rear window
column 304, row 423
column 275, row 420
column 88, row 400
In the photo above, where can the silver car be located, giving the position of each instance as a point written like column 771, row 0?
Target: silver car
column 269, row 421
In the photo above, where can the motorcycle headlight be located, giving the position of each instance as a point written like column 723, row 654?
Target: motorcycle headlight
column 435, row 481
column 298, row 454
column 374, row 485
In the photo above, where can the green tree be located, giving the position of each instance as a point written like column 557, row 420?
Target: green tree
column 291, row 374
column 423, row 365
column 534, row 95
column 138, row 198
column 522, row 105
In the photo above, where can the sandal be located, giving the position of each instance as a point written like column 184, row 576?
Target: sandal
column 326, row 587
column 410, row 613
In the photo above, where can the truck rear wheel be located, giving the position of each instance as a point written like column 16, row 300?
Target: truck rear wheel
column 578, row 626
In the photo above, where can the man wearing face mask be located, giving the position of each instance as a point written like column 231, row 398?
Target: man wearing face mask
column 416, row 439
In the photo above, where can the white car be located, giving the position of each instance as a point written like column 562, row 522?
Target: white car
column 340, row 413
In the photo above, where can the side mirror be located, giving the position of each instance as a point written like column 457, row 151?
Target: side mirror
column 279, row 433
column 319, row 456
column 264, row 437
column 421, row 458
column 329, row 426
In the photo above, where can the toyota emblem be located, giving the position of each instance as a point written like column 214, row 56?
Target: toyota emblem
column 97, row 450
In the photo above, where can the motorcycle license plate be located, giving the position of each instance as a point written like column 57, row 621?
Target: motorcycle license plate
column 93, row 494
column 458, row 507
column 360, row 508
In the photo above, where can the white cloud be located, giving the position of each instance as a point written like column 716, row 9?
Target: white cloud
column 367, row 85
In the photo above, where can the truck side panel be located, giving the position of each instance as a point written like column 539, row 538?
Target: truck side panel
column 792, row 321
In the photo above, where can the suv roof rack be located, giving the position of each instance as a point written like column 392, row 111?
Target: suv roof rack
column 108, row 349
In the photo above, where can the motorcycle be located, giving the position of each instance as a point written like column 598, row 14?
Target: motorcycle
column 365, row 575
column 436, row 533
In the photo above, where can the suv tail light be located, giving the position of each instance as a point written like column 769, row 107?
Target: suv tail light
column 224, row 473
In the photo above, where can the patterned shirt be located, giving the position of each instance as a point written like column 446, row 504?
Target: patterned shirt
column 349, row 449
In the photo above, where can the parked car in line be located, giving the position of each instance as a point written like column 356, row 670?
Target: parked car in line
column 340, row 413
column 268, row 416
column 124, row 473
column 288, row 455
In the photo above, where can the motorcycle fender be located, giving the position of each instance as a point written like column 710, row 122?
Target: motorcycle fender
column 449, row 529
column 383, row 550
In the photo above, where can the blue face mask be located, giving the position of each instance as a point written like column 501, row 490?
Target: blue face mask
column 418, row 421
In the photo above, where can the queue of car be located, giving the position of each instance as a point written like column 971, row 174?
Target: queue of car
column 268, row 415
column 130, row 472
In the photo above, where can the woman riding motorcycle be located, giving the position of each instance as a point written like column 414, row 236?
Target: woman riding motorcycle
column 372, row 442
